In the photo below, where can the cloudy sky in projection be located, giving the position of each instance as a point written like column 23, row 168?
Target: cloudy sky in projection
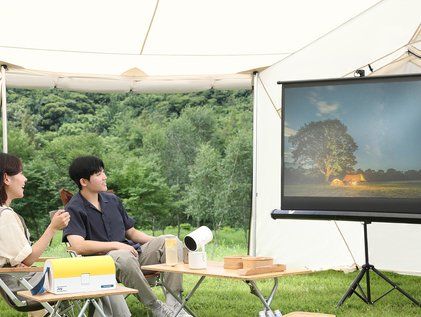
column 384, row 119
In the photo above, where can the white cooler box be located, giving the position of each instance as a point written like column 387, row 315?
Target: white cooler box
column 81, row 274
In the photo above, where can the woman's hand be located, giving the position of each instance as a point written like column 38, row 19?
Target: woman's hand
column 60, row 220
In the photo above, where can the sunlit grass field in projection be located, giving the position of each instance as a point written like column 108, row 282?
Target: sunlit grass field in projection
column 396, row 189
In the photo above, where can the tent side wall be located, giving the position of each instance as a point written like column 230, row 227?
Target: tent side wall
column 328, row 244
column 315, row 244
column 297, row 243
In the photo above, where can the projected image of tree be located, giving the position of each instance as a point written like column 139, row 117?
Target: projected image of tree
column 325, row 147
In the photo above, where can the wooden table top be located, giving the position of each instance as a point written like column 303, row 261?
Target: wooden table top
column 216, row 269
column 49, row 297
column 26, row 269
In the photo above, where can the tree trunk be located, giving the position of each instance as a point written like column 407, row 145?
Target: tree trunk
column 246, row 235
column 215, row 236
column 36, row 226
column 327, row 174
column 178, row 226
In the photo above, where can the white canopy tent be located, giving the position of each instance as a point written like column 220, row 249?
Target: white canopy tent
column 387, row 38
column 155, row 45
column 189, row 45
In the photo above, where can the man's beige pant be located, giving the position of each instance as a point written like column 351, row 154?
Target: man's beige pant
column 129, row 273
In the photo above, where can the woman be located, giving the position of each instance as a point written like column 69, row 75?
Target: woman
column 15, row 246
column 12, row 226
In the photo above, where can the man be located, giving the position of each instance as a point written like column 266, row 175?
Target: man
column 100, row 225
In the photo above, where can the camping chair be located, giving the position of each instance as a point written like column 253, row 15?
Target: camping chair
column 18, row 304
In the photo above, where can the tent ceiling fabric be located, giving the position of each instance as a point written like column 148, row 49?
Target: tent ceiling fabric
column 376, row 37
column 90, row 44
column 407, row 62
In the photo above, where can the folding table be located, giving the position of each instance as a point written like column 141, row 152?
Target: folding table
column 87, row 297
column 216, row 269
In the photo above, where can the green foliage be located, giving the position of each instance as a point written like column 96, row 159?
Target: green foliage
column 145, row 194
column 179, row 151
column 172, row 158
column 19, row 144
column 63, row 149
column 203, row 121
column 204, row 191
column 237, row 174
column 54, row 112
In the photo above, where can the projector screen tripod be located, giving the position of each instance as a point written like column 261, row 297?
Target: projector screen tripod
column 365, row 270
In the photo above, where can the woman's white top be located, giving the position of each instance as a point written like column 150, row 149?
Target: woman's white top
column 14, row 241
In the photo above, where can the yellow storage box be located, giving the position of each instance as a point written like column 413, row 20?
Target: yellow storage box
column 81, row 274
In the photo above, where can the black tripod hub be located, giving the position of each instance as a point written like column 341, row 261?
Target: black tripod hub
column 365, row 270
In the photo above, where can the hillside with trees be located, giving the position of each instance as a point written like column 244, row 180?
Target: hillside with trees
column 172, row 158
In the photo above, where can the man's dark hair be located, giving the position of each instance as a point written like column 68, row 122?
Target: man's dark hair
column 10, row 165
column 84, row 167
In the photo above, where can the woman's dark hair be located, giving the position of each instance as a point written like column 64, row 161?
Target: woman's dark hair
column 84, row 167
column 10, row 165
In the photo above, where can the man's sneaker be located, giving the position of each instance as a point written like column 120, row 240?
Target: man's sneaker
column 159, row 309
column 175, row 306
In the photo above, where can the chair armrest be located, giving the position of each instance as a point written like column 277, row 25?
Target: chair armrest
column 45, row 258
column 72, row 252
column 151, row 275
column 28, row 269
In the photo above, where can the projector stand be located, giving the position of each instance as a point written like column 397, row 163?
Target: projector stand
column 365, row 270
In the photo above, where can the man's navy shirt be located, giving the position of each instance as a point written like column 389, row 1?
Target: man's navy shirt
column 109, row 224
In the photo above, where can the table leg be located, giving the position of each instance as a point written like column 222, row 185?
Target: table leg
column 47, row 306
column 68, row 306
column 189, row 295
column 98, row 308
column 177, row 297
column 84, row 308
column 266, row 302
column 56, row 309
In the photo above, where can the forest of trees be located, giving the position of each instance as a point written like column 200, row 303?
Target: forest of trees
column 172, row 158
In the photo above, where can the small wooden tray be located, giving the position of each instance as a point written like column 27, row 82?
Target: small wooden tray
column 233, row 262
column 256, row 261
column 262, row 269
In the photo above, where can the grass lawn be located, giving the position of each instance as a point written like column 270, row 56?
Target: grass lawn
column 316, row 292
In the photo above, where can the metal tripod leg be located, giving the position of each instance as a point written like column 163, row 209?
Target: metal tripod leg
column 395, row 286
column 355, row 283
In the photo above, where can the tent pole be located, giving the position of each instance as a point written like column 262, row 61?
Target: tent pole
column 4, row 107
column 253, row 224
